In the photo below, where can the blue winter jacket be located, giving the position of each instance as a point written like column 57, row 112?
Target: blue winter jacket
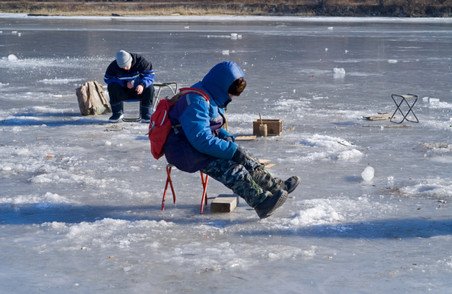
column 199, row 137
column 140, row 73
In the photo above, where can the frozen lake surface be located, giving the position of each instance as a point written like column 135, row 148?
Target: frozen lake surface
column 80, row 197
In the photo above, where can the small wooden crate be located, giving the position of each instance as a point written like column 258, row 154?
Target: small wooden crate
column 274, row 126
column 223, row 203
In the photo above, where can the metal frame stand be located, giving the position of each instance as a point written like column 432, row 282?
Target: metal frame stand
column 410, row 100
column 169, row 182
column 172, row 86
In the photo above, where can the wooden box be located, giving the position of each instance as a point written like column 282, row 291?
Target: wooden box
column 274, row 126
column 224, row 203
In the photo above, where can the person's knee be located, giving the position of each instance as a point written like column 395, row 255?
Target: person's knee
column 115, row 92
column 238, row 172
column 146, row 96
column 114, row 87
column 148, row 92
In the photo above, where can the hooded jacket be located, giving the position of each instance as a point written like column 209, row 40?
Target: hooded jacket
column 198, row 137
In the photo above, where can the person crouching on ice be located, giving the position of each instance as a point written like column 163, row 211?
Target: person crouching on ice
column 198, row 142
column 130, row 76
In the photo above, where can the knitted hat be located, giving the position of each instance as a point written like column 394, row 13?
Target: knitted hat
column 123, row 59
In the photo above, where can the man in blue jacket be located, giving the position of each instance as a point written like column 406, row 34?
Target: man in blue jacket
column 198, row 142
column 130, row 76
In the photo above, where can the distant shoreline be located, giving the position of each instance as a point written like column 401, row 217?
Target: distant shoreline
column 243, row 18
column 363, row 8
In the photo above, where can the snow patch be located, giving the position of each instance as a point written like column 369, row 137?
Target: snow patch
column 330, row 148
column 41, row 201
column 317, row 212
column 333, row 211
column 438, row 188
column 107, row 233
column 57, row 81
column 46, row 109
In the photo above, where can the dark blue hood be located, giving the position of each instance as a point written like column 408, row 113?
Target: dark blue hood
column 218, row 80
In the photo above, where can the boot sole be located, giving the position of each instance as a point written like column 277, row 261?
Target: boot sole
column 294, row 186
column 121, row 118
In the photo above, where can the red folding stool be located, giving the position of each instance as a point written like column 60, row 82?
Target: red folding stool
column 169, row 181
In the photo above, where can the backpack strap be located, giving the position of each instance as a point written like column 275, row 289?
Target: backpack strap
column 184, row 91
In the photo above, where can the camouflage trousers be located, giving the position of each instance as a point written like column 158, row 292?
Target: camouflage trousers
column 250, row 180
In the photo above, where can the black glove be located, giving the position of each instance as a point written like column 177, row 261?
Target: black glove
column 240, row 156
column 230, row 138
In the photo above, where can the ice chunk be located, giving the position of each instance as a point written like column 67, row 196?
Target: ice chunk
column 392, row 61
column 12, row 57
column 6, row 168
column 225, row 52
column 338, row 72
column 368, row 174
column 234, row 36
column 433, row 100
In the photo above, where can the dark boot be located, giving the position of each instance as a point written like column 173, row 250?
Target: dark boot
column 146, row 99
column 238, row 179
column 270, row 204
column 273, row 184
column 117, row 112
column 145, row 114
column 116, row 93
column 250, row 191
column 264, row 179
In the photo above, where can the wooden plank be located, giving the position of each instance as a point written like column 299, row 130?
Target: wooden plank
column 378, row 116
column 267, row 163
column 264, row 161
column 245, row 138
